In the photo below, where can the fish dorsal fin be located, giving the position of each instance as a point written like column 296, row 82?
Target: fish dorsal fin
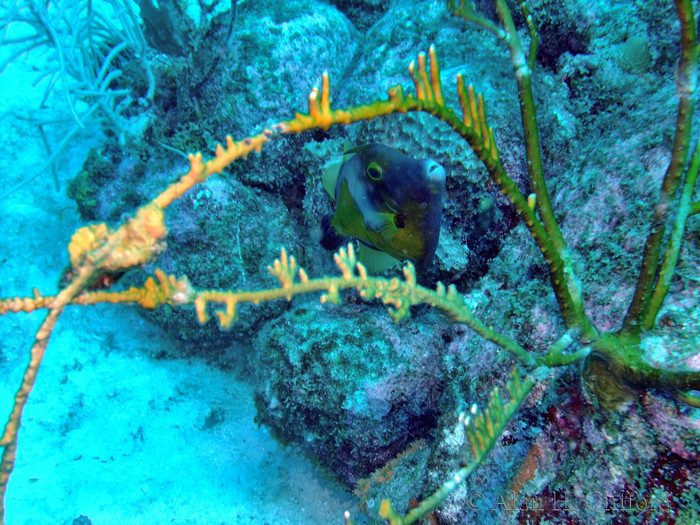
column 374, row 260
column 332, row 169
column 330, row 177
column 349, row 148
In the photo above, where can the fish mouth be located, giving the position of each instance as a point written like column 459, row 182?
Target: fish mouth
column 434, row 175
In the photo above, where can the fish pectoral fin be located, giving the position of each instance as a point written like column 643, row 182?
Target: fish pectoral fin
column 382, row 223
column 374, row 260
column 389, row 228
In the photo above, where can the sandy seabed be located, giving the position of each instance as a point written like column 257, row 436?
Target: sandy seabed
column 109, row 432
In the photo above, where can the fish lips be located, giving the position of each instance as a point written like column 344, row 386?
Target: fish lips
column 435, row 175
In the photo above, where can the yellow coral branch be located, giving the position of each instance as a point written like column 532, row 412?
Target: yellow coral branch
column 425, row 73
column 398, row 294
column 25, row 304
column 200, row 170
column 8, row 441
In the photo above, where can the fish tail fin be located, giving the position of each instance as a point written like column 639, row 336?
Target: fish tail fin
column 330, row 240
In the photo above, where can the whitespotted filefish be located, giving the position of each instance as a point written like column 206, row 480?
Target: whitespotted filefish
column 391, row 203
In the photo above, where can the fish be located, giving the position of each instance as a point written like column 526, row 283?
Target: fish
column 390, row 202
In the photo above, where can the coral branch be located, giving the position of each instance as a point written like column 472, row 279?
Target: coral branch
column 534, row 37
column 686, row 82
column 542, row 224
column 9, row 437
column 665, row 274
column 482, row 430
column 398, row 294
column 467, row 11
column 26, row 304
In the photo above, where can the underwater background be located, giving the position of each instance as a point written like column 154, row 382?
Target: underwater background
column 302, row 411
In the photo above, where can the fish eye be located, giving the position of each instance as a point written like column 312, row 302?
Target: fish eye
column 399, row 221
column 374, row 171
